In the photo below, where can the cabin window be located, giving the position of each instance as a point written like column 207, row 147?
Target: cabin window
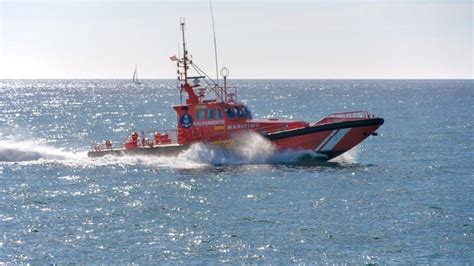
column 229, row 113
column 219, row 113
column 201, row 114
column 239, row 112
column 211, row 114
column 247, row 112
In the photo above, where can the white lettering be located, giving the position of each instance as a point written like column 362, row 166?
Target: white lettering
column 209, row 122
column 242, row 126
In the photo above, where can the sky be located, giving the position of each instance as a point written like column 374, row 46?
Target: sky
column 280, row 39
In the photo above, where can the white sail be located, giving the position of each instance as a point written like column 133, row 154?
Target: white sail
column 135, row 76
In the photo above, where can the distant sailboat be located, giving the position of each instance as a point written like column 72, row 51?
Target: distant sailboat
column 135, row 77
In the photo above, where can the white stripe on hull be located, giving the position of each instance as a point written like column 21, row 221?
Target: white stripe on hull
column 334, row 140
column 326, row 140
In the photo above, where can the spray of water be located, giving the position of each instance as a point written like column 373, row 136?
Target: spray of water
column 250, row 148
column 349, row 157
column 20, row 151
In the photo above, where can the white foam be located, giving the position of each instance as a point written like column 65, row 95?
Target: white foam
column 250, row 148
column 349, row 157
column 20, row 151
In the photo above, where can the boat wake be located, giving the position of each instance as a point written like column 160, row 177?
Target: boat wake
column 250, row 148
column 26, row 151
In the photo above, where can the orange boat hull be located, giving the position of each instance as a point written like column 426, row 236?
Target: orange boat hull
column 330, row 140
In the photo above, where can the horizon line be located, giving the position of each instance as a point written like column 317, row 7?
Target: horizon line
column 263, row 78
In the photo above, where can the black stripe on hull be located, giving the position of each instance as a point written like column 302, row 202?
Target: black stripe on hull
column 327, row 127
column 161, row 150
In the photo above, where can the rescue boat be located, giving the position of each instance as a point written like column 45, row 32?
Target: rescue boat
column 212, row 114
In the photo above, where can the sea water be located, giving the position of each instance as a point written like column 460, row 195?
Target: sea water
column 404, row 196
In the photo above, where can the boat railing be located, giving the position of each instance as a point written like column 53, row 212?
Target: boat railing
column 146, row 138
column 173, row 135
column 150, row 135
column 344, row 116
column 106, row 146
column 353, row 114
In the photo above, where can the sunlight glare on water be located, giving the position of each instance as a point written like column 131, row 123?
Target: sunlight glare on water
column 401, row 197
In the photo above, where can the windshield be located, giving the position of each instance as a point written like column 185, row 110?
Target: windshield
column 247, row 112
column 229, row 113
column 238, row 111
column 242, row 111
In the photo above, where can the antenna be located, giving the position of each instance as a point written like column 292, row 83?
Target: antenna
column 215, row 43
column 182, row 23
column 225, row 73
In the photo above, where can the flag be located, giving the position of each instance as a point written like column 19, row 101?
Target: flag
column 173, row 58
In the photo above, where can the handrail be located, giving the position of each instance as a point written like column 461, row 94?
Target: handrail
column 146, row 138
column 105, row 146
column 337, row 117
column 150, row 135
column 353, row 114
